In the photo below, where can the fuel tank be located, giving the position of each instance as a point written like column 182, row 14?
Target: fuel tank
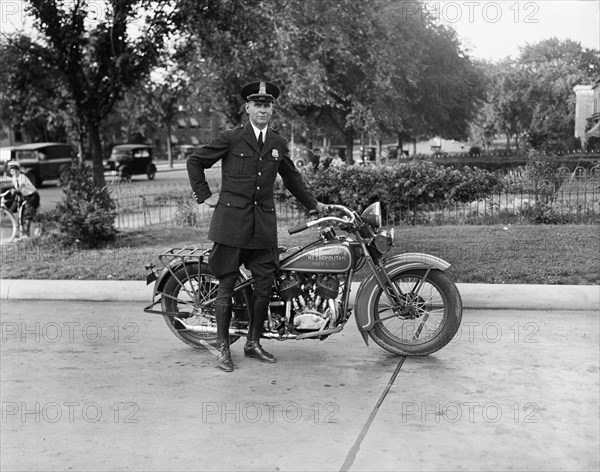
column 326, row 257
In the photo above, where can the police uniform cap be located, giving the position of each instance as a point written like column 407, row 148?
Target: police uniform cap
column 14, row 164
column 260, row 91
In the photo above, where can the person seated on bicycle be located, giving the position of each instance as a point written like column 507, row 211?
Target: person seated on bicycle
column 23, row 186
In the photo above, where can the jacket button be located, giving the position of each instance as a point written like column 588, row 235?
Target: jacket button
column 257, row 188
column 260, row 173
column 229, row 204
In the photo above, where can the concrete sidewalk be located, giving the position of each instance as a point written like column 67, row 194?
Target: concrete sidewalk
column 478, row 296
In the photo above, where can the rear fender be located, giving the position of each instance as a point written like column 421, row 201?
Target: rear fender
column 393, row 266
column 165, row 273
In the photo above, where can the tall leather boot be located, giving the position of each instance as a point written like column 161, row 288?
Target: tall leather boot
column 257, row 321
column 223, row 316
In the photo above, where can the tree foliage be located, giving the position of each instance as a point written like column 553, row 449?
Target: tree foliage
column 532, row 97
column 93, row 61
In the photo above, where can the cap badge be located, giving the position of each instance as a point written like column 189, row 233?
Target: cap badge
column 262, row 89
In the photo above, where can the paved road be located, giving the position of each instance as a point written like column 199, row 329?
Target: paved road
column 104, row 386
column 51, row 193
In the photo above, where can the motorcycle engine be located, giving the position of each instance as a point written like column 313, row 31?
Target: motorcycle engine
column 312, row 298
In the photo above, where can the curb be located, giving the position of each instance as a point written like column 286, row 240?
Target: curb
column 482, row 296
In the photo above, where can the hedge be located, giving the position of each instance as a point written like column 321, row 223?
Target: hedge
column 399, row 188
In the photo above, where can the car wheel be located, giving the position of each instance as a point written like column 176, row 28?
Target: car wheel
column 151, row 172
column 125, row 174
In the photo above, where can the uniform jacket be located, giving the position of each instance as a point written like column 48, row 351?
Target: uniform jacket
column 245, row 214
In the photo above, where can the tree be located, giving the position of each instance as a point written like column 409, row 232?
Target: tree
column 31, row 101
column 425, row 85
column 329, row 68
column 554, row 67
column 510, row 97
column 236, row 40
column 95, row 63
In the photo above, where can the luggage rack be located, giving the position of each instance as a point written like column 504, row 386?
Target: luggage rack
column 185, row 254
column 174, row 257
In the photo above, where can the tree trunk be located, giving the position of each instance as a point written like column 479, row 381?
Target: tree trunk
column 349, row 146
column 96, row 152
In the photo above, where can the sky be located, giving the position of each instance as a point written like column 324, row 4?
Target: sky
column 496, row 29
column 488, row 29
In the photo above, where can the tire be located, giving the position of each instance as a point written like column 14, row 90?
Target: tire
column 151, row 173
column 431, row 321
column 179, row 289
column 124, row 174
column 8, row 226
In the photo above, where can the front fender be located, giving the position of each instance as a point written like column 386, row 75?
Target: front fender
column 393, row 266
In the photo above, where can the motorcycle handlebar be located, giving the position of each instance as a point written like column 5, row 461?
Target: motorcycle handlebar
column 327, row 219
column 298, row 228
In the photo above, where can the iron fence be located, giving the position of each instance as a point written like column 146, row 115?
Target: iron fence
column 571, row 197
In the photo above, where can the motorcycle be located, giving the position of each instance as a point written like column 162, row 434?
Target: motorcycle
column 406, row 304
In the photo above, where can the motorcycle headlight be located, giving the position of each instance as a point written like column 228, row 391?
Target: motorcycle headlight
column 372, row 215
column 384, row 241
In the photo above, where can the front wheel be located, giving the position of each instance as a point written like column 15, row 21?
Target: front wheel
column 151, row 172
column 8, row 226
column 427, row 318
column 124, row 174
column 185, row 292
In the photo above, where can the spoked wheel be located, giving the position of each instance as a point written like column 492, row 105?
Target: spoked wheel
column 427, row 318
column 185, row 293
column 8, row 226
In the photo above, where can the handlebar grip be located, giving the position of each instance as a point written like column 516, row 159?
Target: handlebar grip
column 297, row 229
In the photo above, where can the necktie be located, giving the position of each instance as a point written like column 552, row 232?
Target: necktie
column 260, row 140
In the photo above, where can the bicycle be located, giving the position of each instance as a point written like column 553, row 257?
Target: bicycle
column 9, row 225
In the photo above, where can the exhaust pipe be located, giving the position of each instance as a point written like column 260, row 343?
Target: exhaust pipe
column 180, row 325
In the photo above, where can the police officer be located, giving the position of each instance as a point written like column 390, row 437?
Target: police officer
column 244, row 225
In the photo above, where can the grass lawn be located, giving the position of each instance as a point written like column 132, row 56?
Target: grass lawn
column 520, row 254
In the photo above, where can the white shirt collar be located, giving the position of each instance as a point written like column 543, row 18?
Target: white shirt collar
column 257, row 131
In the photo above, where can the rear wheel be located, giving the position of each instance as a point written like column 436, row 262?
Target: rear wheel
column 8, row 226
column 185, row 292
column 426, row 320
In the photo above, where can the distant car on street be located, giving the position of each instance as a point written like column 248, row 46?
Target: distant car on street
column 131, row 159
column 43, row 161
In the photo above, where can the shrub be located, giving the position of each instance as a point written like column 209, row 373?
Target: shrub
column 592, row 144
column 86, row 214
column 400, row 188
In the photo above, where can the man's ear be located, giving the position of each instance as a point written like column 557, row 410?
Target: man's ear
column 247, row 106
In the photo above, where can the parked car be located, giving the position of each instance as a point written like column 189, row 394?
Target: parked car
column 131, row 159
column 43, row 161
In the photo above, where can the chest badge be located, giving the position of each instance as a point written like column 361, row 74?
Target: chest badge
column 275, row 153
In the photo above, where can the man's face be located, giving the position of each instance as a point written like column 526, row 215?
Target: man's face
column 260, row 113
